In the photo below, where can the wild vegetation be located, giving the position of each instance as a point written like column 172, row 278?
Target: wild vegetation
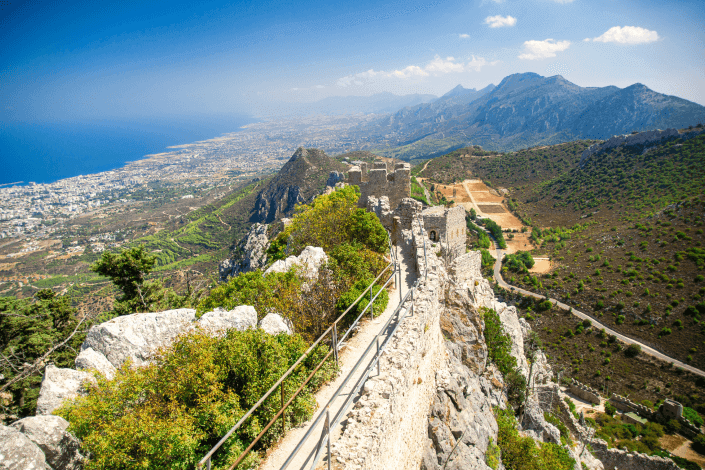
column 523, row 453
column 632, row 257
column 499, row 348
column 168, row 414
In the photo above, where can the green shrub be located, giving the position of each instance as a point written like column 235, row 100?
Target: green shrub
column 520, row 262
column 692, row 416
column 499, row 347
column 544, row 306
column 523, row 453
column 610, row 409
column 168, row 414
column 632, row 350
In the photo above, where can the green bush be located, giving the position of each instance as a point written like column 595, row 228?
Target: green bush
column 519, row 262
column 168, row 414
column 329, row 221
column 632, row 350
column 499, row 347
column 610, row 409
column 692, row 416
column 523, row 453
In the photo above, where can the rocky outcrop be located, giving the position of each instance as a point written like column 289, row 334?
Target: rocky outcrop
column 59, row 385
column 309, row 261
column 301, row 178
column 137, row 336
column 251, row 253
column 61, row 449
column 275, row 324
column 334, row 178
column 18, row 452
column 240, row 318
column 462, row 424
column 643, row 139
column 90, row 359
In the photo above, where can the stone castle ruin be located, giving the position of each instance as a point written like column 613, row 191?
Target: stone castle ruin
column 387, row 195
column 378, row 182
column 446, row 226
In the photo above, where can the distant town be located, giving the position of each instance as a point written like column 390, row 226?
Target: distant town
column 38, row 210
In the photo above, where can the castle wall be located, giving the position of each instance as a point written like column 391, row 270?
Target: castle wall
column 379, row 182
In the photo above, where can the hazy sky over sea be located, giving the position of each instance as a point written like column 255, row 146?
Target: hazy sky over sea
column 64, row 61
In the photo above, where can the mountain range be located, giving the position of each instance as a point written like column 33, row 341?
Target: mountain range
column 525, row 110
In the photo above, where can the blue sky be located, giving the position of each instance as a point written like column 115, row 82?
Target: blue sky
column 135, row 59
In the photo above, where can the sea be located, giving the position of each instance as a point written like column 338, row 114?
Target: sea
column 47, row 152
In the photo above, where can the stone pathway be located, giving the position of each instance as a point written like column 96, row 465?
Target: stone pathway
column 348, row 357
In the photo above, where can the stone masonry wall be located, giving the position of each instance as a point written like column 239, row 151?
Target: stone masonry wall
column 378, row 182
column 583, row 391
column 388, row 423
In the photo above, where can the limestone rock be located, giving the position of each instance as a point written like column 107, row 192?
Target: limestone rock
column 138, row 335
column 334, row 178
column 275, row 324
column 241, row 318
column 18, row 452
column 252, row 253
column 90, row 359
column 59, row 385
column 310, row 260
column 60, row 448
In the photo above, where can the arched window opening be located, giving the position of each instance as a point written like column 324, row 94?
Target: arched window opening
column 432, row 235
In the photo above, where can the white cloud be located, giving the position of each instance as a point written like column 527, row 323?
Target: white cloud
column 563, row 1
column 320, row 86
column 499, row 21
column 464, row 36
column 437, row 66
column 586, row 40
column 628, row 35
column 534, row 50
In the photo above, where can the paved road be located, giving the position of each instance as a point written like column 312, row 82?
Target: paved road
column 648, row 350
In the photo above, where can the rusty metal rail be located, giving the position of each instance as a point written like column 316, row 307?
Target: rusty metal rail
column 335, row 347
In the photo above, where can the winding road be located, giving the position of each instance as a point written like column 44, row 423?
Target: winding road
column 625, row 339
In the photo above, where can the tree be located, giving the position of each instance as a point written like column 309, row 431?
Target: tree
column 32, row 334
column 127, row 270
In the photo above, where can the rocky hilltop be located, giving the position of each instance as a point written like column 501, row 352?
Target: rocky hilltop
column 302, row 178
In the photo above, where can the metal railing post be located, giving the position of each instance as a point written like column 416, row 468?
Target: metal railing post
column 372, row 307
column 378, row 355
column 283, row 410
column 400, row 296
column 335, row 343
column 328, row 432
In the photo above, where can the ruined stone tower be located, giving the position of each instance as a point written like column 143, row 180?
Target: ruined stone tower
column 377, row 182
column 446, row 226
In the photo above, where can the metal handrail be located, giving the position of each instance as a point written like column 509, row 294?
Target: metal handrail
column 206, row 460
column 345, row 382
column 330, row 426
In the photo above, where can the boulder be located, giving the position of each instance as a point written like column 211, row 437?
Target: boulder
column 310, row 260
column 275, row 324
column 241, row 318
column 61, row 449
column 90, row 359
column 59, row 385
column 18, row 452
column 138, row 335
